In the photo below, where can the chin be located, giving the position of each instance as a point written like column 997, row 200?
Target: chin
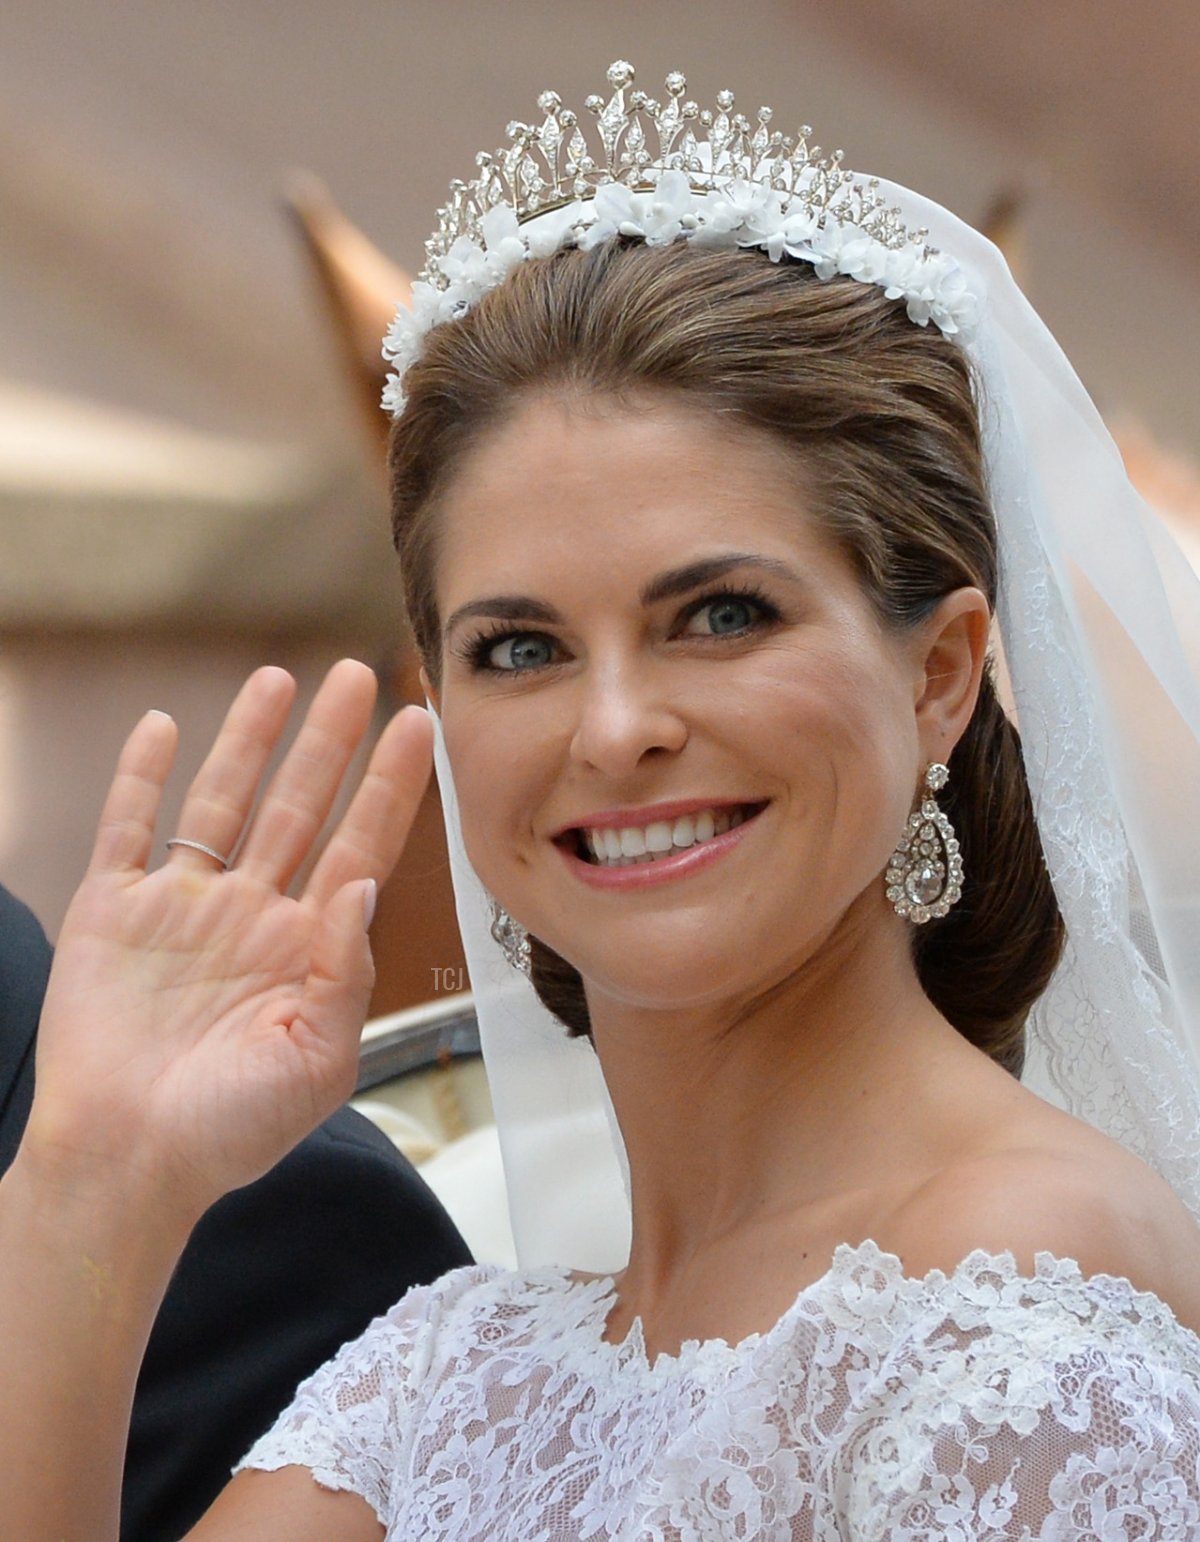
column 640, row 976
column 704, row 961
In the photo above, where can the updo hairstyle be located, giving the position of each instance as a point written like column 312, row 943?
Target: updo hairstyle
column 882, row 418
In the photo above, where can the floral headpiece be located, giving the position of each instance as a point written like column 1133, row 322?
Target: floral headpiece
column 730, row 185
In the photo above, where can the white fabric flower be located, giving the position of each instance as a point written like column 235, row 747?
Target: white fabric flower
column 423, row 307
column 498, row 225
column 614, row 213
column 664, row 210
column 465, row 263
column 392, row 400
column 503, row 243
column 461, row 296
column 758, row 210
column 718, row 224
column 863, row 258
column 550, row 232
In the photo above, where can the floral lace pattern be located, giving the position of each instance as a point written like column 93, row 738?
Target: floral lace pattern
column 980, row 1406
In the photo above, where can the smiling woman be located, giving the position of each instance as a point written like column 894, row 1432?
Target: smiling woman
column 710, row 472
column 695, row 490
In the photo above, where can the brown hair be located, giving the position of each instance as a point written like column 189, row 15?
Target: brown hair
column 883, row 418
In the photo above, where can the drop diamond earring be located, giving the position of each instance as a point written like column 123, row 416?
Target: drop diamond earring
column 512, row 937
column 924, row 876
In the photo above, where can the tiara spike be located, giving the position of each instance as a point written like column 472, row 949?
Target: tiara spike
column 612, row 118
column 690, row 151
column 635, row 144
column 577, row 156
column 761, row 141
column 550, row 135
column 668, row 120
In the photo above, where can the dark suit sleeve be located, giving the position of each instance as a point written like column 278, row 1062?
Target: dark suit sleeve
column 275, row 1278
column 24, row 967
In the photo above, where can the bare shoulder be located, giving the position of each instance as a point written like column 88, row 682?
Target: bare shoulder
column 1066, row 1190
column 288, row 1503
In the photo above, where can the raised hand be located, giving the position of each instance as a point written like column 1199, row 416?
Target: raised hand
column 199, row 1022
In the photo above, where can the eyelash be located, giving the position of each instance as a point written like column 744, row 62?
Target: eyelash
column 475, row 650
column 768, row 611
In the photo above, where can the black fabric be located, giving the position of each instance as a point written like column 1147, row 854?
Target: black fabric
column 24, row 967
column 274, row 1279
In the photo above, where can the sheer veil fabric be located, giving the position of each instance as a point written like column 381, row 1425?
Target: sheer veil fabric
column 1099, row 622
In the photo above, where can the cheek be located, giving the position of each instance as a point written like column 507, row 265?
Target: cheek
column 838, row 726
column 876, row 774
column 495, row 764
column 477, row 788
column 825, row 699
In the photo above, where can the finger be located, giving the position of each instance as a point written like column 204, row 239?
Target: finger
column 337, row 992
column 371, row 834
column 222, row 793
column 125, row 834
column 297, row 802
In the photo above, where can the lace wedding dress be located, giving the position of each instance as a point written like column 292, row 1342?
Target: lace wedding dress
column 981, row 1406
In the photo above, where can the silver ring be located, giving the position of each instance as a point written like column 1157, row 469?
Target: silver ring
column 178, row 840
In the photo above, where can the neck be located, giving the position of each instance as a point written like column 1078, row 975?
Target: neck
column 753, row 1113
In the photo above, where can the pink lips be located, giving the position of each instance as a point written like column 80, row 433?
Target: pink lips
column 645, row 875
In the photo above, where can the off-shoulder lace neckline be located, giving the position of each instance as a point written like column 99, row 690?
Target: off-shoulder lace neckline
column 874, row 1282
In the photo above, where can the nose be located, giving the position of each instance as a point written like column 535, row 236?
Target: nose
column 625, row 718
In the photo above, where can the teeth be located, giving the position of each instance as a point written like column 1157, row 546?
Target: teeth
column 629, row 846
column 633, row 843
column 658, row 836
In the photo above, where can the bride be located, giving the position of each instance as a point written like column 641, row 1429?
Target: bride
column 710, row 472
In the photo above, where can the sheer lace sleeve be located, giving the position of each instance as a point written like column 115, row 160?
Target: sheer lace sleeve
column 352, row 1422
column 1052, row 1408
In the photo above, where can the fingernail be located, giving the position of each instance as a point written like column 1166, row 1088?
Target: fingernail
column 158, row 712
column 370, row 894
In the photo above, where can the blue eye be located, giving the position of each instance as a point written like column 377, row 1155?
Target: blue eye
column 524, row 650
column 725, row 616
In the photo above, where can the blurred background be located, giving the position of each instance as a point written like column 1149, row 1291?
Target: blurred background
column 189, row 484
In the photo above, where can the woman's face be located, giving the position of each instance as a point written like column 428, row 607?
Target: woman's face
column 651, row 648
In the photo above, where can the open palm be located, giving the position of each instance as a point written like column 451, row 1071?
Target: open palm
column 199, row 1022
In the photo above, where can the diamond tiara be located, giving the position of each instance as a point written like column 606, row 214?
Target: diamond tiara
column 663, row 171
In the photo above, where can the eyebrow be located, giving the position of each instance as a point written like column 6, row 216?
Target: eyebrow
column 705, row 570
column 504, row 607
column 666, row 586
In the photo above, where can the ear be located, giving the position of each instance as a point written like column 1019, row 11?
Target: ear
column 430, row 690
column 953, row 650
